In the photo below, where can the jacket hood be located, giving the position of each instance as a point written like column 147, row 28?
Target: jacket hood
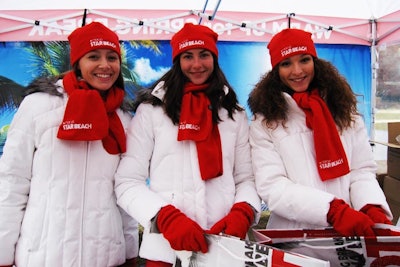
column 45, row 85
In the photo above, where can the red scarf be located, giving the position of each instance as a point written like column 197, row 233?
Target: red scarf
column 196, row 124
column 87, row 117
column 331, row 157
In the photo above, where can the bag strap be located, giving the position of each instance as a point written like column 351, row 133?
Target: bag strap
column 303, row 244
column 253, row 260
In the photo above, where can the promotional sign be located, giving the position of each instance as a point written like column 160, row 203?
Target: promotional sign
column 229, row 251
column 328, row 245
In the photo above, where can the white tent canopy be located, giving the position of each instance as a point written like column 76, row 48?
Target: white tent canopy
column 349, row 9
column 367, row 22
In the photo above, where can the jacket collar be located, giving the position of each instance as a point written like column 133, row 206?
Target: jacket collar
column 159, row 90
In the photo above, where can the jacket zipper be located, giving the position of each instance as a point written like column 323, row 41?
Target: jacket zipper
column 83, row 203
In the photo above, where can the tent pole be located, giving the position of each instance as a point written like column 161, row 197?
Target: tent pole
column 289, row 16
column 374, row 70
column 84, row 17
column 204, row 10
column 215, row 10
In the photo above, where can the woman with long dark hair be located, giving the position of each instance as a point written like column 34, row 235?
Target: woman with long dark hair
column 187, row 170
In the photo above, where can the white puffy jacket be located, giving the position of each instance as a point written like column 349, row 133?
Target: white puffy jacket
column 153, row 151
column 57, row 200
column 287, row 177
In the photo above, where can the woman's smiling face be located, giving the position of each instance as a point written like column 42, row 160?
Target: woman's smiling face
column 100, row 68
column 297, row 72
column 197, row 65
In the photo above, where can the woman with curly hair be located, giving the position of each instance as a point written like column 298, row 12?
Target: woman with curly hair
column 312, row 161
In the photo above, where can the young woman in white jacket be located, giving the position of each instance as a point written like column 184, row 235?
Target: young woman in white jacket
column 57, row 200
column 312, row 160
column 187, row 170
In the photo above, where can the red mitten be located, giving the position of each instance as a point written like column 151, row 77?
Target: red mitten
column 181, row 232
column 376, row 213
column 347, row 221
column 236, row 223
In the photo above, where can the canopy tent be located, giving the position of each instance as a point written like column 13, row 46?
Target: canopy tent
column 370, row 23
column 367, row 22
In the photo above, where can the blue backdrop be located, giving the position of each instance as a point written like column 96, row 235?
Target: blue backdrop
column 242, row 62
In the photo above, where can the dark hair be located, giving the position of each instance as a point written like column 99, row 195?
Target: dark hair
column 267, row 97
column 175, row 82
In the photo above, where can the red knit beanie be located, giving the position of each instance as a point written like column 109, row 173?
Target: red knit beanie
column 194, row 36
column 290, row 42
column 91, row 37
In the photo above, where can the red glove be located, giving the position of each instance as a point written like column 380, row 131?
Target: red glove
column 181, row 232
column 376, row 213
column 347, row 221
column 129, row 263
column 236, row 223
